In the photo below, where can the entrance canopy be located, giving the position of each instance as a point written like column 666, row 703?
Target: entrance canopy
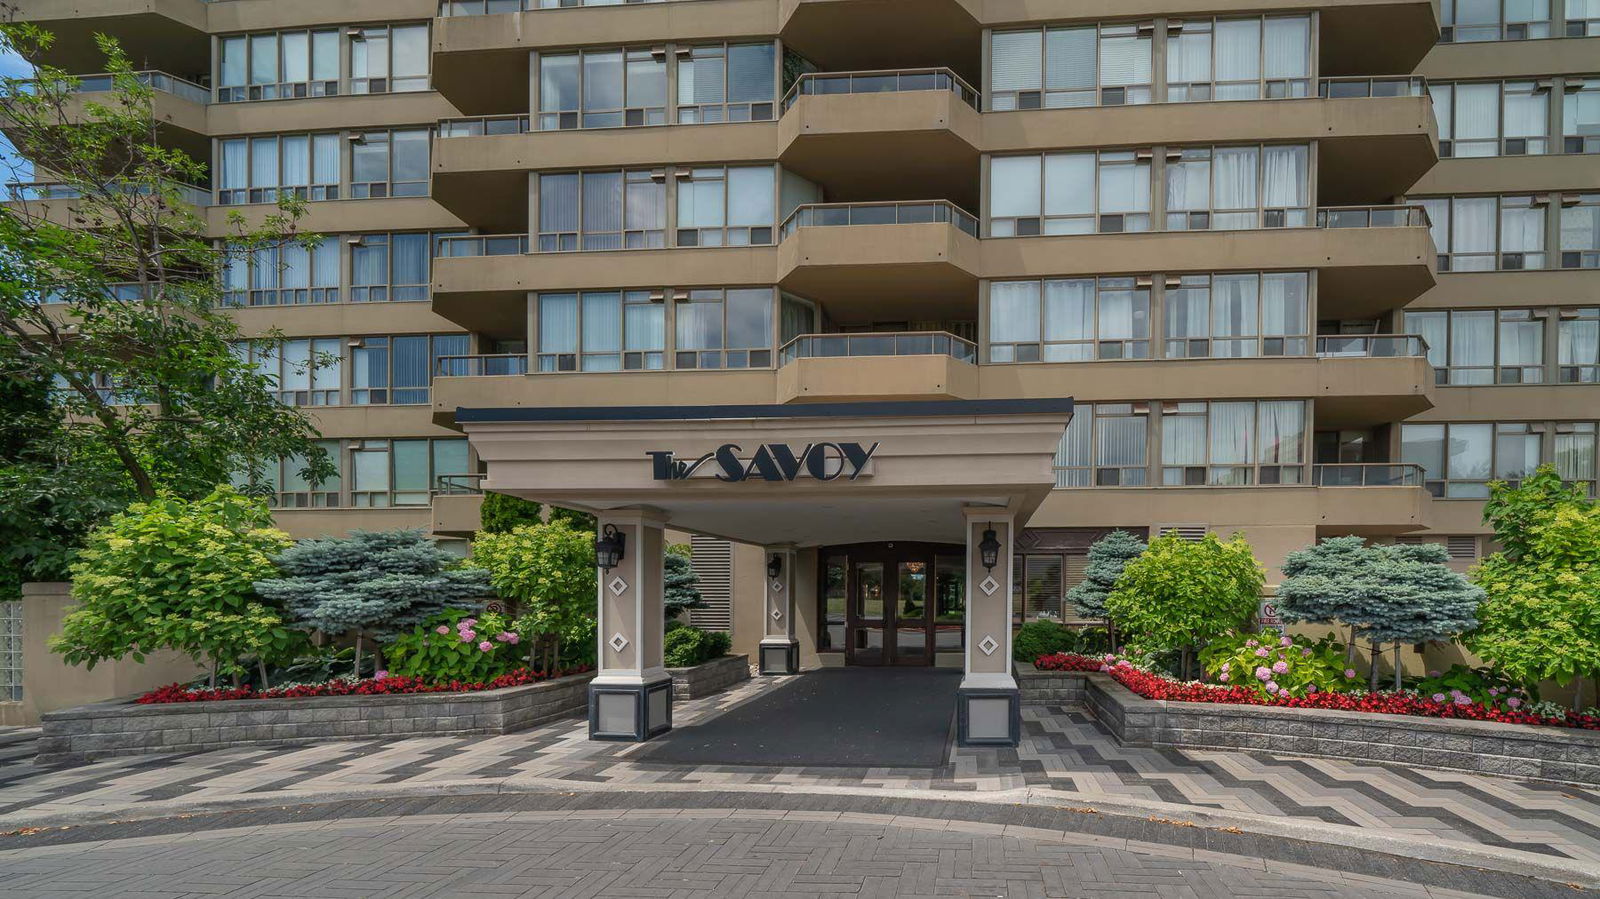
column 802, row 475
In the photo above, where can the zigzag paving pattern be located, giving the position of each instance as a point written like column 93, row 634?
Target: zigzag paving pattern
column 1063, row 751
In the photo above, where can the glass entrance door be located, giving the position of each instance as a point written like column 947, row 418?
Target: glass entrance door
column 901, row 603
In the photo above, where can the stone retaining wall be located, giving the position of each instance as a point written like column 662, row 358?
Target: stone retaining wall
column 709, row 677
column 1050, row 687
column 123, row 727
column 1484, row 747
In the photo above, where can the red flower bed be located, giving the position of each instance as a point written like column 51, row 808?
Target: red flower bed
column 391, row 685
column 1155, row 686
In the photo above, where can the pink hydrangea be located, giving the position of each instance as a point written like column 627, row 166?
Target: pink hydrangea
column 467, row 622
column 1463, row 700
column 514, row 638
column 1263, row 673
column 1251, row 643
column 443, row 629
column 380, row 674
column 1224, row 677
column 1349, row 672
column 1285, row 642
column 502, row 636
column 468, row 636
column 486, row 646
column 1438, row 697
column 1272, row 687
column 1280, row 667
column 1312, row 688
column 1262, row 653
column 1305, row 653
column 1513, row 702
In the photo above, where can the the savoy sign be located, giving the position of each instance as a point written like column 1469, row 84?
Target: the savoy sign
column 769, row 462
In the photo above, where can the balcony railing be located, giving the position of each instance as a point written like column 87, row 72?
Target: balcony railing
column 481, row 366
column 1372, row 217
column 155, row 80
column 829, row 215
column 909, row 343
column 482, row 245
column 1383, row 86
column 52, row 190
column 458, row 484
column 1367, row 474
column 478, row 126
column 1374, row 345
column 813, row 84
column 449, row 8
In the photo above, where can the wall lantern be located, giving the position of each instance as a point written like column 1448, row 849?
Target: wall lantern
column 608, row 547
column 989, row 549
column 775, row 566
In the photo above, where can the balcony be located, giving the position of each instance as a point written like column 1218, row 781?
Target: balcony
column 60, row 203
column 905, row 260
column 177, row 104
column 172, row 31
column 874, row 366
column 489, row 366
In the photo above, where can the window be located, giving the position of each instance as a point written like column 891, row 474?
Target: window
column 1485, row 234
column 1459, row 459
column 1579, row 346
column 1583, row 18
column 724, row 328
column 1493, row 20
column 1069, row 320
column 1104, row 446
column 292, row 274
column 1238, row 188
column 291, row 490
column 727, row 83
column 1233, row 444
column 1051, row 68
column 1238, row 315
column 1038, row 586
column 259, row 169
column 278, row 65
column 1239, row 59
column 1580, row 112
column 398, row 370
column 602, row 89
column 1492, row 119
column 389, row 163
column 391, row 267
column 11, row 651
column 307, row 372
column 1580, row 231
column 602, row 211
column 389, row 59
column 601, row 331
column 402, row 472
column 1069, row 193
column 1482, row 346
column 1575, row 452
column 727, row 207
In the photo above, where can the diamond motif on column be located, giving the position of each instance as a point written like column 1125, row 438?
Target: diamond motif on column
column 777, row 614
column 988, row 646
column 989, row 585
column 618, row 586
column 618, row 642
column 777, row 586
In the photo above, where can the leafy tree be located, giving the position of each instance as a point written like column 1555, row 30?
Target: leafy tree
column 1182, row 594
column 549, row 569
column 502, row 512
column 681, row 583
column 375, row 583
column 1107, row 557
column 110, row 294
column 176, row 574
column 578, row 521
column 1540, row 619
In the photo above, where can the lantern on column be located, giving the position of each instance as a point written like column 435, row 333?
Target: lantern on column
column 609, row 546
column 989, row 549
column 774, row 566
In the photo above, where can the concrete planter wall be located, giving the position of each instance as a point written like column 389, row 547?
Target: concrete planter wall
column 122, row 727
column 709, row 677
column 1484, row 747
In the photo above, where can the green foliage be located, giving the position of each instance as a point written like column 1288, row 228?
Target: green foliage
column 685, row 647
column 549, row 569
column 680, row 587
column 1042, row 638
column 1484, row 686
column 1182, row 594
column 1540, row 619
column 176, row 574
column 502, row 512
column 1107, row 556
column 582, row 522
column 1274, row 665
column 1093, row 641
column 457, row 645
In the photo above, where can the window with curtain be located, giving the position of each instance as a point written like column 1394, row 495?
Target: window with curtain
column 390, row 163
column 293, row 274
column 389, row 58
column 1580, row 112
column 796, row 317
column 1457, row 459
column 1484, row 234
column 601, row 331
column 1464, row 21
column 727, row 83
column 1583, row 18
column 277, row 65
column 1105, row 445
column 400, row 472
column 261, row 169
column 611, row 210
column 1069, row 320
column 604, row 88
column 1238, row 188
column 1579, row 346
column 1239, row 59
column 1574, row 450
column 1580, row 231
column 1492, row 118
column 1233, row 444
column 723, row 328
column 306, row 371
column 392, row 267
column 292, row 490
column 1238, row 315
column 1069, row 193
column 1080, row 65
column 1481, row 346
column 398, row 370
column 727, row 206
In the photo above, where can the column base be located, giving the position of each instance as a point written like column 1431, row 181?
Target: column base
column 988, row 716
column 778, row 656
column 630, row 712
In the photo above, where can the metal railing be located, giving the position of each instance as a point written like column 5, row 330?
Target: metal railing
column 888, row 81
column 104, row 82
column 1381, row 86
column 448, row 8
column 1367, row 474
column 829, row 215
column 1375, row 345
column 1372, row 217
column 482, row 245
column 53, row 190
column 458, row 484
column 478, row 126
column 481, row 366
column 899, row 343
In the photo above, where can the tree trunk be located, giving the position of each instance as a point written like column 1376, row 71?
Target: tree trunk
column 555, row 657
column 261, row 668
column 213, row 682
column 377, row 658
column 1111, row 636
column 1350, row 649
column 358, row 655
column 1398, row 683
column 1577, row 695
column 1372, row 676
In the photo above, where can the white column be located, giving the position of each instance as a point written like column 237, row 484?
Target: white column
column 989, row 703
column 631, row 696
column 779, row 650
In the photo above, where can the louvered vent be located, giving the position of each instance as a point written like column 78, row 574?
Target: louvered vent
column 1461, row 547
column 1190, row 532
column 713, row 564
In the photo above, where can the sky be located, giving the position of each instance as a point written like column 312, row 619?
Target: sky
column 11, row 168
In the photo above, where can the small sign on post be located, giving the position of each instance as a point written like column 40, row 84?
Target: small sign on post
column 1267, row 615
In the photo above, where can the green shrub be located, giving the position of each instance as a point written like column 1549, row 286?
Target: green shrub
column 549, row 569
column 502, row 512
column 457, row 646
column 686, row 647
column 1094, row 641
column 1484, row 686
column 1273, row 665
column 1042, row 638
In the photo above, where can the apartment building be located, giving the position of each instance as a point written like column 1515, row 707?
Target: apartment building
column 897, row 305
